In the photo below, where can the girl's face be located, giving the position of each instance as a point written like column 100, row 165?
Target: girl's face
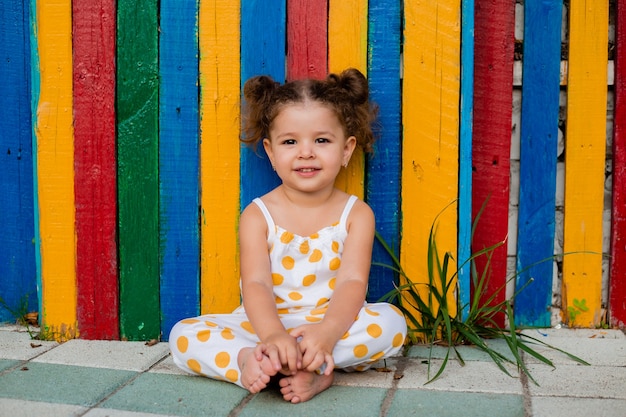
column 307, row 146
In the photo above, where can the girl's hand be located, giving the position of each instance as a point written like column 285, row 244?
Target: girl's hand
column 286, row 350
column 316, row 348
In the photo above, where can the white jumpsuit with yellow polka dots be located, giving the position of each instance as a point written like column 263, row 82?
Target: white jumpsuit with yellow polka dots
column 303, row 271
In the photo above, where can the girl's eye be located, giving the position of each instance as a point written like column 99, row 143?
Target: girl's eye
column 289, row 142
column 322, row 140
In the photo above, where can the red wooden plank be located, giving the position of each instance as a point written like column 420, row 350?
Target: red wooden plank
column 493, row 90
column 617, row 289
column 95, row 169
column 307, row 39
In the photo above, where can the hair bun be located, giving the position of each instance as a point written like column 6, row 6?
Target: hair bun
column 354, row 83
column 259, row 89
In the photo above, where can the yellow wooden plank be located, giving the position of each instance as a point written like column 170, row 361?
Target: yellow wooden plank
column 55, row 169
column 219, row 154
column 584, row 162
column 347, row 47
column 430, row 116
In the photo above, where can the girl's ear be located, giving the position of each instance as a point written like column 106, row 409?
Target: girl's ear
column 348, row 149
column 267, row 145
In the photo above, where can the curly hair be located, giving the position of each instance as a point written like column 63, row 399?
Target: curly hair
column 347, row 94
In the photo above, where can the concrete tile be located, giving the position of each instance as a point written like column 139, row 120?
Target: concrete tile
column 335, row 401
column 577, row 407
column 19, row 346
column 455, row 404
column 577, row 333
column 473, row 377
column 380, row 375
column 468, row 353
column 167, row 366
column 52, row 383
column 600, row 352
column 130, row 356
column 20, row 408
column 7, row 363
column 176, row 395
column 578, row 381
column 104, row 412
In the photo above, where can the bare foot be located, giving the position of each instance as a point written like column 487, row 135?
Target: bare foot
column 304, row 385
column 255, row 374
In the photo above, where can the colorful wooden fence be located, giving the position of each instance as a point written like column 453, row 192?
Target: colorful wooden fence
column 122, row 178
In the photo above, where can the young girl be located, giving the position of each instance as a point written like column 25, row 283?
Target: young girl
column 305, row 250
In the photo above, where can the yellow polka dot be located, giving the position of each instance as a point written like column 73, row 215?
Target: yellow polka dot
column 288, row 262
column 295, row 296
column 271, row 248
column 331, row 283
column 304, row 247
column 398, row 340
column 194, row 365
column 360, row 351
column 345, row 336
column 313, row 319
column 374, row 330
column 335, row 263
column 397, row 310
column 314, row 236
column 377, row 356
column 210, row 323
column 335, row 246
column 360, row 368
column 286, row 237
column 222, row 359
column 279, row 300
column 308, row 280
column 182, row 343
column 228, row 334
column 319, row 311
column 321, row 301
column 232, row 375
column 371, row 312
column 283, row 311
column 203, row 335
column 316, row 256
column 246, row 325
column 335, row 224
column 277, row 279
column 190, row 321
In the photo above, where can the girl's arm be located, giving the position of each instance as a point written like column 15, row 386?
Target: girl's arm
column 318, row 340
column 257, row 288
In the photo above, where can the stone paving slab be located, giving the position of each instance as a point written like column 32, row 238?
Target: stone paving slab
column 129, row 356
column 577, row 407
column 601, row 352
column 176, row 395
column 579, row 381
column 19, row 408
column 20, row 346
column 455, row 404
column 62, row 384
column 473, row 377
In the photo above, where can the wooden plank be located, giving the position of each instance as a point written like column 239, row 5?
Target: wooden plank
column 465, row 155
column 585, row 146
column 617, row 288
column 307, row 39
column 262, row 53
column 95, row 168
column 138, row 187
column 55, row 169
column 430, row 115
column 383, row 168
column 17, row 252
column 493, row 95
column 539, row 136
column 347, row 47
column 178, row 163
column 219, row 154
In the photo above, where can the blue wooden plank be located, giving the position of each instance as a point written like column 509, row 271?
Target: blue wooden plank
column 263, row 33
column 18, row 284
column 465, row 155
column 539, row 130
column 384, row 166
column 179, row 163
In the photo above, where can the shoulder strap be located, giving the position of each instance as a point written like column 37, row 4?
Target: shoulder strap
column 266, row 213
column 346, row 211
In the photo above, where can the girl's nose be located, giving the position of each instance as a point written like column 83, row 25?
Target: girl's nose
column 306, row 151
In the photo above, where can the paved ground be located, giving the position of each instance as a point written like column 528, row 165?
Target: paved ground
column 132, row 379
